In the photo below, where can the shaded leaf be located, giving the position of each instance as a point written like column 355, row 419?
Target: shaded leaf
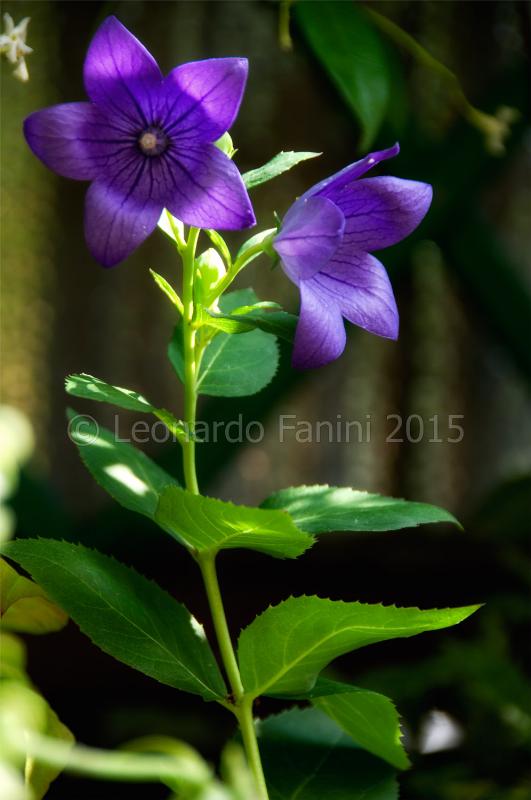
column 371, row 719
column 306, row 755
column 125, row 472
column 320, row 509
column 90, row 388
column 352, row 52
column 280, row 163
column 210, row 525
column 284, row 649
column 123, row 613
column 24, row 606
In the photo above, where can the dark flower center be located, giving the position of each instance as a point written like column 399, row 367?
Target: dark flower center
column 153, row 141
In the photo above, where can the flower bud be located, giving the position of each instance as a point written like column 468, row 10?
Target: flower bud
column 210, row 270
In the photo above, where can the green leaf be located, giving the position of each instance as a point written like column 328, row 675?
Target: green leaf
column 168, row 290
column 352, row 52
column 371, row 719
column 173, row 228
column 283, row 650
column 123, row 613
column 321, row 509
column 308, row 757
column 90, row 388
column 279, row 323
column 280, row 163
column 209, row 525
column 232, row 366
column 127, row 474
column 24, row 606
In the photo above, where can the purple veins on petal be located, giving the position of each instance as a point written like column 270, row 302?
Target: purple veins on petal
column 146, row 142
column 201, row 100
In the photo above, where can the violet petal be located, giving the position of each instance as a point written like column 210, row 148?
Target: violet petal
column 311, row 232
column 320, row 336
column 382, row 211
column 359, row 285
column 200, row 100
column 116, row 224
column 342, row 179
column 207, row 189
column 121, row 76
column 72, row 139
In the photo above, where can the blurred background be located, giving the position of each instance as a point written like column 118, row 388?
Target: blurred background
column 346, row 82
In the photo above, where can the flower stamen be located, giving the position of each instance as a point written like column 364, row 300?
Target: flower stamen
column 153, row 142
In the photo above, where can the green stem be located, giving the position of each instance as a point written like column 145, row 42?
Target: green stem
column 241, row 262
column 190, row 365
column 207, row 564
column 111, row 765
column 250, row 743
column 241, row 706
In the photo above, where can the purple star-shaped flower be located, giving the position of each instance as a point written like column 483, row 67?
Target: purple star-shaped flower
column 324, row 245
column 146, row 143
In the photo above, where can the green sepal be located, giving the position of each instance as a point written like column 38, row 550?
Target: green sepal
column 207, row 525
column 168, row 290
column 219, row 242
column 126, row 615
column 173, row 228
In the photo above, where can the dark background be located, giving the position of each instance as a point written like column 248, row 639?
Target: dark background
column 463, row 290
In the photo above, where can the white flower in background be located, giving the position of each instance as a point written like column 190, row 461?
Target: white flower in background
column 13, row 45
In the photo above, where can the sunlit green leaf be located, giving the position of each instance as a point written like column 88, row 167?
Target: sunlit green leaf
column 209, row 525
column 308, row 757
column 90, row 388
column 280, row 163
column 126, row 615
column 321, row 509
column 284, row 649
column 125, row 472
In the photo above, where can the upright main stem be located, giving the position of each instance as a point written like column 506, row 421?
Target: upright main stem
column 190, row 365
column 241, row 705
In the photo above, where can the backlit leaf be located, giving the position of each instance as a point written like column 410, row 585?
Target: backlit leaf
column 209, row 525
column 321, row 509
